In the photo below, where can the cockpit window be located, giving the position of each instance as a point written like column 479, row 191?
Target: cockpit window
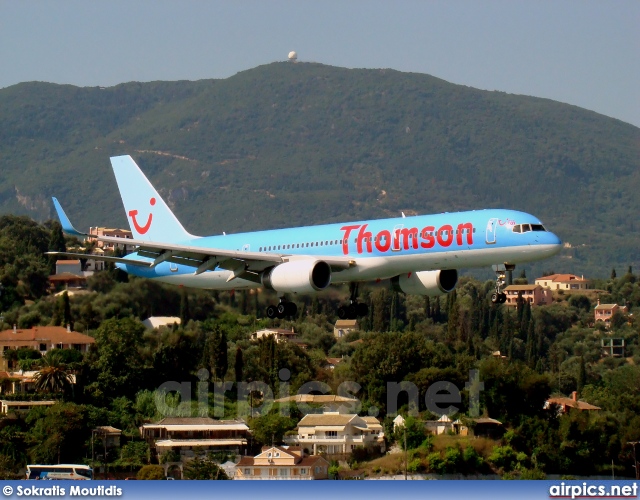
column 525, row 228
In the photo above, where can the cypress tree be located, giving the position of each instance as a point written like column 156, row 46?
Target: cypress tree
column 56, row 244
column 222, row 361
column 437, row 314
column 582, row 375
column 238, row 365
column 66, row 310
column 185, row 314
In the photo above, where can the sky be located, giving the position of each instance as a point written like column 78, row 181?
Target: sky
column 584, row 53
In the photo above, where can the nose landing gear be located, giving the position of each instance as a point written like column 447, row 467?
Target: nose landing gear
column 498, row 296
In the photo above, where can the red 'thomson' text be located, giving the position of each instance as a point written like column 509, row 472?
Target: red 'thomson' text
column 407, row 238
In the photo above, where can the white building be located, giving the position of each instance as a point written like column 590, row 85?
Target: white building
column 336, row 433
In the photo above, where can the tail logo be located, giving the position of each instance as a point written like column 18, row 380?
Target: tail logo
column 133, row 214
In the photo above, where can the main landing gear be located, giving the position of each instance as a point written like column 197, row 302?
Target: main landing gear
column 284, row 309
column 355, row 309
column 498, row 296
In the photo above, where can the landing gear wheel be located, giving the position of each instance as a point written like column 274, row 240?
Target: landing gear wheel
column 352, row 311
column 282, row 310
column 272, row 312
column 362, row 309
column 342, row 312
column 290, row 309
column 503, row 298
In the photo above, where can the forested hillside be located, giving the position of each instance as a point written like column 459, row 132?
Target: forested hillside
column 290, row 144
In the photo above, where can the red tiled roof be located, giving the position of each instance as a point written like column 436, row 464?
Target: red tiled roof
column 334, row 361
column 305, row 462
column 66, row 277
column 580, row 405
column 561, row 278
column 51, row 334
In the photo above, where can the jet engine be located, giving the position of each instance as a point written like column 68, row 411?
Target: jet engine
column 429, row 283
column 298, row 276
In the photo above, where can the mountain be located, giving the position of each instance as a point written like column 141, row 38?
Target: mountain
column 291, row 144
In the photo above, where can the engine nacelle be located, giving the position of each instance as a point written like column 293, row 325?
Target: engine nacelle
column 298, row 276
column 431, row 283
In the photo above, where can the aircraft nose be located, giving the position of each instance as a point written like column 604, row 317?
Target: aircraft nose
column 556, row 242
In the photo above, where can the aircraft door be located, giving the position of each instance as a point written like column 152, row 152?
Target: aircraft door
column 492, row 226
column 395, row 238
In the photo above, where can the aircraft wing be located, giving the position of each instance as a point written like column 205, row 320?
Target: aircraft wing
column 242, row 263
column 104, row 258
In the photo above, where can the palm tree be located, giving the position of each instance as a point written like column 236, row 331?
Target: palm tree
column 53, row 376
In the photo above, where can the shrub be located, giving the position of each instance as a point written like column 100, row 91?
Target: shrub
column 435, row 462
column 150, row 472
column 503, row 457
column 414, row 466
column 532, row 474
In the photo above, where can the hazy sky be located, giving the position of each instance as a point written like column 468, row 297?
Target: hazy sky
column 585, row 52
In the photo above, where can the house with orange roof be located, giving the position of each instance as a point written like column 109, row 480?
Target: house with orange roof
column 563, row 282
column 125, row 234
column 282, row 462
column 42, row 339
column 278, row 334
column 535, row 295
column 604, row 312
column 564, row 404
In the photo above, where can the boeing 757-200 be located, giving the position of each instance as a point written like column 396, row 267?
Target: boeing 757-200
column 420, row 254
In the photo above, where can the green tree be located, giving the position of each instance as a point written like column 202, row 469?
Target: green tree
column 204, row 469
column 238, row 364
column 62, row 311
column 413, row 431
column 57, row 434
column 270, row 429
column 185, row 314
column 216, row 352
column 151, row 472
column 56, row 244
column 582, row 376
column 134, row 454
column 53, row 376
column 116, row 364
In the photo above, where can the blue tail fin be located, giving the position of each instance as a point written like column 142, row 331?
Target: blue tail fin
column 149, row 216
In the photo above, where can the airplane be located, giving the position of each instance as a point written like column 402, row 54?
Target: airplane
column 418, row 254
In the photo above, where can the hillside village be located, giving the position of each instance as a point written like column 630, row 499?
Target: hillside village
column 144, row 380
